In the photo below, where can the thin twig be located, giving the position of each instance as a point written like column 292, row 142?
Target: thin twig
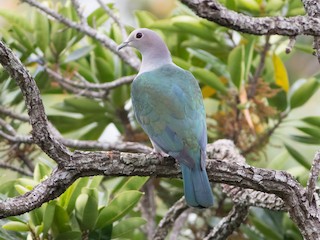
column 88, row 85
column 292, row 41
column 15, row 169
column 254, row 80
column 79, row 11
column 115, row 19
column 14, row 115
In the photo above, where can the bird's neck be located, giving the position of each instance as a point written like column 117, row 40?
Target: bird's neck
column 155, row 57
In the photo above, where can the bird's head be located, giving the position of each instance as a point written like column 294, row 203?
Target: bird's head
column 142, row 39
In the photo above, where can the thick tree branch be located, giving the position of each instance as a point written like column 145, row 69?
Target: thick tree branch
column 286, row 26
column 38, row 119
column 114, row 163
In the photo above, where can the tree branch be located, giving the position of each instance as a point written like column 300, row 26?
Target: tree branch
column 115, row 163
column 313, row 177
column 16, row 169
column 312, row 7
column 228, row 224
column 286, row 26
column 169, row 219
column 38, row 119
column 88, row 85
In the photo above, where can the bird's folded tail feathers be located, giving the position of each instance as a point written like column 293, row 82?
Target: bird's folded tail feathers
column 197, row 188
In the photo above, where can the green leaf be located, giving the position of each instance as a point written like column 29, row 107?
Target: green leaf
column 236, row 65
column 279, row 161
column 23, row 37
column 249, row 48
column 69, row 197
column 125, row 227
column 84, row 105
column 98, row 17
column 118, row 207
column 79, row 53
column 70, row 235
column 144, row 18
column 16, row 19
column 298, row 157
column 266, row 229
column 87, row 209
column 209, row 78
column 41, row 171
column 131, row 183
column 21, row 189
column 101, row 234
column 217, row 66
column 16, row 226
column 36, row 216
column 48, row 216
column 315, row 121
column 193, row 26
column 305, row 139
column 61, row 220
column 42, row 32
column 302, row 91
column 250, row 5
column 313, row 132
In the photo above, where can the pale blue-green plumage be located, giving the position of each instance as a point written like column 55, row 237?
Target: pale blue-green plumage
column 168, row 104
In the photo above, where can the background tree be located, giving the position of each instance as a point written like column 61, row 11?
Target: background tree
column 64, row 86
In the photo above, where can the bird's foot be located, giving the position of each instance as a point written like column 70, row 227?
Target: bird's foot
column 159, row 154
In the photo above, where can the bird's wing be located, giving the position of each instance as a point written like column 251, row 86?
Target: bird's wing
column 168, row 105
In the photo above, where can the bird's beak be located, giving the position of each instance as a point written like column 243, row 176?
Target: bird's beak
column 122, row 45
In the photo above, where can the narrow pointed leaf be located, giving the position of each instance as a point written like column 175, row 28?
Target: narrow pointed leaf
column 280, row 73
column 298, row 157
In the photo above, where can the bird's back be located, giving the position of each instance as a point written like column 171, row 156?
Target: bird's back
column 168, row 104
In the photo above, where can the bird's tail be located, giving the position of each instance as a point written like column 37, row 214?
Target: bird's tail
column 197, row 189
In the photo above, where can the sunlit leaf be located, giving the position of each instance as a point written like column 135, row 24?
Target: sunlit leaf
column 302, row 91
column 208, row 91
column 16, row 226
column 236, row 65
column 280, row 73
column 48, row 216
column 79, row 53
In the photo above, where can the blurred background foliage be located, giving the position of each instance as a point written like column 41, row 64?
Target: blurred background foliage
column 266, row 101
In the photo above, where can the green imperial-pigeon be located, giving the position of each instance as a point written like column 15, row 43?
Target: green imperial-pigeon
column 168, row 105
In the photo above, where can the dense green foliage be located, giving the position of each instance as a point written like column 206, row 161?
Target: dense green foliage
column 247, row 92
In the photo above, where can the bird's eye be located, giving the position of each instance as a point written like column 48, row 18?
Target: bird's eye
column 139, row 35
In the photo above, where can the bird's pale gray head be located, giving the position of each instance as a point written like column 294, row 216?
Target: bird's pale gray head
column 153, row 49
column 142, row 39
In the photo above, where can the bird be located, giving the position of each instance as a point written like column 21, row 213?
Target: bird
column 168, row 104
